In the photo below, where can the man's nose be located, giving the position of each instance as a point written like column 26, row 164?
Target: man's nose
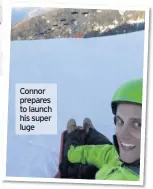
column 125, row 132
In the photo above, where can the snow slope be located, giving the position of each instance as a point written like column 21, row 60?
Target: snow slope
column 87, row 73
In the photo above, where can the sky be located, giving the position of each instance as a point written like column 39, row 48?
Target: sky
column 19, row 14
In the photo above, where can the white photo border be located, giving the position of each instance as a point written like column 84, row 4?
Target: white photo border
column 5, row 73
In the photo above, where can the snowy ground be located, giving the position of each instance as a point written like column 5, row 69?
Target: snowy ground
column 87, row 72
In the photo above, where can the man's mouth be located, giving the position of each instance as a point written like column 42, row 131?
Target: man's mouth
column 127, row 146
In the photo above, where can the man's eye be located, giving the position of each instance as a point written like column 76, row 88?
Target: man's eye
column 137, row 124
column 119, row 121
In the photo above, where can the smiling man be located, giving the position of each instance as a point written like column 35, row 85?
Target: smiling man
column 121, row 160
column 127, row 108
column 128, row 131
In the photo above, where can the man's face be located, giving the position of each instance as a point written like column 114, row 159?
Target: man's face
column 128, row 131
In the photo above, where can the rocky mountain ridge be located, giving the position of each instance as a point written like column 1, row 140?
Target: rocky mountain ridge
column 65, row 23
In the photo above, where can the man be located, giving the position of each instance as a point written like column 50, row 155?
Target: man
column 106, row 161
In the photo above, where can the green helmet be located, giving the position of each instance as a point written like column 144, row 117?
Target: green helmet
column 129, row 92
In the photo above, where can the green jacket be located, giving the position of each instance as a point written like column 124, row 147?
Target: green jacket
column 104, row 157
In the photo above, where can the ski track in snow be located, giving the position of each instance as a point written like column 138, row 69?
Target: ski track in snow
column 87, row 73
